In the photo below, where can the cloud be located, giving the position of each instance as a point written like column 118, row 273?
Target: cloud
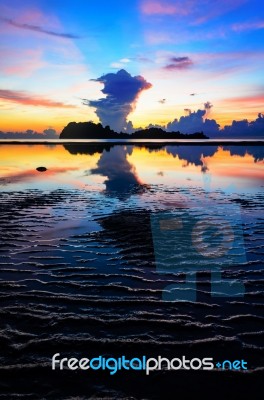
column 121, row 90
column 121, row 63
column 151, row 7
column 30, row 134
column 209, row 9
column 142, row 59
column 244, row 128
column 208, row 105
column 20, row 62
column 22, row 97
column 196, row 121
column 158, row 37
column 116, row 65
column 206, row 11
column 247, row 26
column 38, row 29
column 50, row 133
column 246, row 101
column 153, row 126
column 178, row 63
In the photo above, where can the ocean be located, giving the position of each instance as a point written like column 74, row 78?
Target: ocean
column 131, row 249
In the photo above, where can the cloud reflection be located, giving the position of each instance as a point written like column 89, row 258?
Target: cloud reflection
column 121, row 175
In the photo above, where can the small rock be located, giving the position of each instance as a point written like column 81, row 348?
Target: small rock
column 41, row 169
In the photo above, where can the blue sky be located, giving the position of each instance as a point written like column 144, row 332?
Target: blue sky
column 190, row 51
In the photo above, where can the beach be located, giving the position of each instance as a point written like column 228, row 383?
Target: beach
column 86, row 272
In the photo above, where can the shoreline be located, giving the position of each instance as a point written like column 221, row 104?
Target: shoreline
column 218, row 142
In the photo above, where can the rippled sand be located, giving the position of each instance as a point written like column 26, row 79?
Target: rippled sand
column 79, row 277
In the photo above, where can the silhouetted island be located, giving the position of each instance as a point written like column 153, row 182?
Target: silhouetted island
column 90, row 130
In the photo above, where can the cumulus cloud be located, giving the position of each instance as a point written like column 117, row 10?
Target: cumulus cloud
column 156, row 126
column 22, row 97
column 50, row 133
column 121, row 90
column 244, row 128
column 39, row 29
column 197, row 121
column 30, row 134
column 208, row 105
column 178, row 63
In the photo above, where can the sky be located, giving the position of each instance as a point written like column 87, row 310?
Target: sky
column 131, row 64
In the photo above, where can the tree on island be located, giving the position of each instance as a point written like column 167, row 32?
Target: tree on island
column 90, row 130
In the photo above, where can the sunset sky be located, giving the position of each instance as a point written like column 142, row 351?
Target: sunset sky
column 191, row 52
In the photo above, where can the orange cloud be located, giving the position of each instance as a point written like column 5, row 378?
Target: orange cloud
column 247, row 101
column 23, row 98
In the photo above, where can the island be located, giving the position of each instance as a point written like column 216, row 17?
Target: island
column 91, row 130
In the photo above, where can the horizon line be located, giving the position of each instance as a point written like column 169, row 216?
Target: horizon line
column 142, row 141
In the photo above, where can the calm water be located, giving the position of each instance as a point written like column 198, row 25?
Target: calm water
column 107, row 253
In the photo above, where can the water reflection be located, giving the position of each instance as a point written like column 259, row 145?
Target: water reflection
column 119, row 171
column 95, row 270
column 90, row 149
column 195, row 154
column 33, row 174
column 121, row 175
column 130, row 168
column 191, row 155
